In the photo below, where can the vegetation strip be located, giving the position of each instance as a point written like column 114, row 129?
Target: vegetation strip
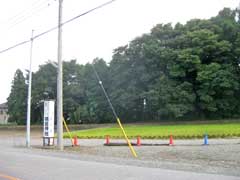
column 163, row 131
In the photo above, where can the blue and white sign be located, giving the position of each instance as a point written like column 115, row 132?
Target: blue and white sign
column 48, row 121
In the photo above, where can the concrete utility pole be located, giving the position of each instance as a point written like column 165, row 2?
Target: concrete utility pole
column 29, row 96
column 59, row 83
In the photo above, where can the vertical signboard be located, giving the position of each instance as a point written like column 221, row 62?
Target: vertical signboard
column 48, row 122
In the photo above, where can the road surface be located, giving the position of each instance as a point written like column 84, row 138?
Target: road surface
column 34, row 165
column 93, row 163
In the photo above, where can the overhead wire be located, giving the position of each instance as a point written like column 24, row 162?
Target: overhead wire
column 19, row 14
column 14, row 46
column 89, row 11
column 28, row 14
column 56, row 27
column 100, row 82
column 25, row 14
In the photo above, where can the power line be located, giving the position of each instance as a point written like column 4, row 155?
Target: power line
column 56, row 27
column 27, row 16
column 74, row 18
column 14, row 46
column 89, row 11
column 27, row 13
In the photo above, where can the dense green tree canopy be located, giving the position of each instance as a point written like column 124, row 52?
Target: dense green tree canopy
column 188, row 71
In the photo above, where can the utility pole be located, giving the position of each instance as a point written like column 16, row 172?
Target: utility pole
column 29, row 96
column 59, row 82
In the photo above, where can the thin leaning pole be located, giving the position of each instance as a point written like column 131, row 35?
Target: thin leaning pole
column 114, row 113
column 67, row 129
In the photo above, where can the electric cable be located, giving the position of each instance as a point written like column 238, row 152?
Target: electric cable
column 89, row 11
column 27, row 16
column 27, row 13
column 56, row 27
column 14, row 46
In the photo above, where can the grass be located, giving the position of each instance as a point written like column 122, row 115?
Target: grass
column 163, row 131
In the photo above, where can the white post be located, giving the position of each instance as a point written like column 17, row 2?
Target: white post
column 29, row 96
column 59, row 83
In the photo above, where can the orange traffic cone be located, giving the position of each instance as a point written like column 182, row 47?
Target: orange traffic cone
column 75, row 141
column 171, row 140
column 107, row 139
column 138, row 141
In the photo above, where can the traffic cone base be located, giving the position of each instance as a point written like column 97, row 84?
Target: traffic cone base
column 138, row 141
column 171, row 141
column 75, row 141
column 107, row 139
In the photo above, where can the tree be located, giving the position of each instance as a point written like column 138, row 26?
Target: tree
column 96, row 104
column 44, row 87
column 218, row 90
column 73, row 88
column 17, row 100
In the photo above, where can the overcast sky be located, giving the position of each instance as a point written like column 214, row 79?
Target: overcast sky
column 93, row 35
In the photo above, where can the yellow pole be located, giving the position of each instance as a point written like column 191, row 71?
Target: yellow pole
column 65, row 124
column 125, row 135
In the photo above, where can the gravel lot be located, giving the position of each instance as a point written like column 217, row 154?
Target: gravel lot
column 221, row 156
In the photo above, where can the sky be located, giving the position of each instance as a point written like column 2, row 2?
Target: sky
column 94, row 35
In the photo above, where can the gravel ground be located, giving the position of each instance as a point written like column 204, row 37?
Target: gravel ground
column 221, row 156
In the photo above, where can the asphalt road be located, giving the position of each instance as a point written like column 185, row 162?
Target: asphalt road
column 33, row 165
column 92, row 162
